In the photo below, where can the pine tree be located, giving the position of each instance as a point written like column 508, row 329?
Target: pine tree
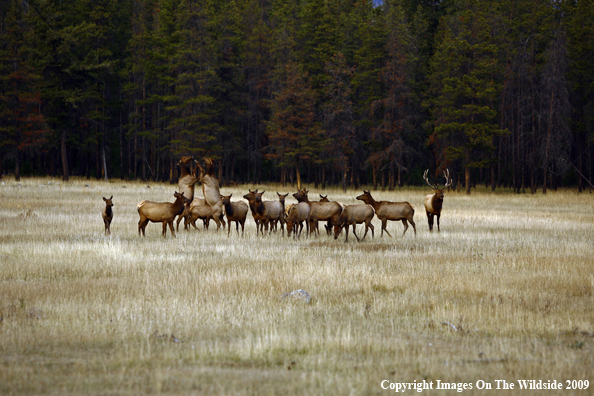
column 464, row 94
column 293, row 132
column 23, row 127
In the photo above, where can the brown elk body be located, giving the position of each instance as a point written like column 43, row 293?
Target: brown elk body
column 296, row 215
column 269, row 211
column 353, row 215
column 211, row 191
column 161, row 212
column 258, row 218
column 186, row 183
column 434, row 202
column 107, row 214
column 393, row 211
column 199, row 209
column 235, row 211
column 281, row 200
column 319, row 211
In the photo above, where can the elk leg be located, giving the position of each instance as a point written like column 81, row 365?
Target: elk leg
column 355, row 225
column 405, row 226
column 384, row 228
column 366, row 229
column 430, row 220
column 414, row 226
column 372, row 230
column 171, row 228
column 437, row 215
column 347, row 233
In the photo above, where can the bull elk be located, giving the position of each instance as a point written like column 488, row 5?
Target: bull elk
column 394, row 211
column 107, row 214
column 161, row 212
column 434, row 202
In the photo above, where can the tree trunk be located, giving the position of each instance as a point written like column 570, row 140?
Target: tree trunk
column 467, row 179
column 492, row 177
column 66, row 174
column 17, row 166
column 298, row 176
column 374, row 175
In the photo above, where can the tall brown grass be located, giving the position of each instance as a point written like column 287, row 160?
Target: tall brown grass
column 85, row 313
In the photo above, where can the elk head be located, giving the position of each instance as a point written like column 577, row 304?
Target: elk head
column 365, row 197
column 439, row 192
column 324, row 198
column 251, row 195
column 301, row 196
column 282, row 197
column 108, row 201
column 185, row 160
column 226, row 199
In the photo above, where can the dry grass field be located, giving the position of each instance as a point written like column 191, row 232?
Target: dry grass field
column 85, row 313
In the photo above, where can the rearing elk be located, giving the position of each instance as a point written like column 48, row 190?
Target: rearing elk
column 434, row 202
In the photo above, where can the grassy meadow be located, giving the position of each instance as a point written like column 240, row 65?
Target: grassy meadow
column 503, row 292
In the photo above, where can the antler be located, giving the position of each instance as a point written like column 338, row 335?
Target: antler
column 447, row 177
column 427, row 180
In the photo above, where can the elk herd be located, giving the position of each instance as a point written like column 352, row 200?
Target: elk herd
column 270, row 215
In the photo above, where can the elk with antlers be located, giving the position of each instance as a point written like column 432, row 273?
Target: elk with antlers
column 434, row 202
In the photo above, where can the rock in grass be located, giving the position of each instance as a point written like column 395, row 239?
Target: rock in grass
column 300, row 294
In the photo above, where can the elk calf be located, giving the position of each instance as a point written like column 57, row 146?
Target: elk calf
column 434, row 202
column 107, row 214
column 161, row 212
column 394, row 211
column 353, row 215
column 235, row 211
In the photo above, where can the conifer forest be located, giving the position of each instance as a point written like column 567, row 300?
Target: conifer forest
column 331, row 92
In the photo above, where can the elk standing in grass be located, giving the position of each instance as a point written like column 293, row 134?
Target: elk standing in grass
column 394, row 211
column 258, row 218
column 320, row 211
column 211, row 191
column 353, row 215
column 199, row 209
column 186, row 183
column 161, row 212
column 270, row 211
column 434, row 202
column 235, row 211
column 296, row 215
column 107, row 214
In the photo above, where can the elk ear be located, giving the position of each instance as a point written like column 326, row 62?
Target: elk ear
column 230, row 195
column 105, row 199
column 110, row 198
column 262, row 193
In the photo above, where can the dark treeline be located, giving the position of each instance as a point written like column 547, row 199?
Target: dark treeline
column 321, row 91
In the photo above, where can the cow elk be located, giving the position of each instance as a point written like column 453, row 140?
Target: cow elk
column 235, row 211
column 186, row 183
column 320, row 211
column 296, row 215
column 434, row 202
column 161, row 212
column 211, row 191
column 353, row 215
column 271, row 211
column 394, row 211
column 107, row 214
